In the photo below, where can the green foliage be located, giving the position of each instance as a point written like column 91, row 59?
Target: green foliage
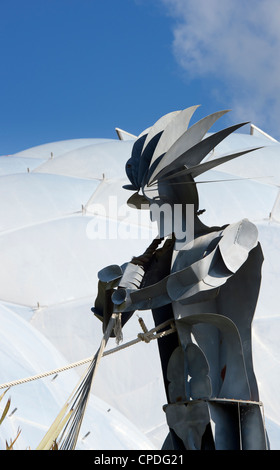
column 9, row 446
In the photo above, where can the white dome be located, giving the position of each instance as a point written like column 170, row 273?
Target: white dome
column 51, row 196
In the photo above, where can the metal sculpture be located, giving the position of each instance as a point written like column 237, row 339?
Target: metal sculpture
column 208, row 283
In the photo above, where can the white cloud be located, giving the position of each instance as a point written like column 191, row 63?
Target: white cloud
column 237, row 43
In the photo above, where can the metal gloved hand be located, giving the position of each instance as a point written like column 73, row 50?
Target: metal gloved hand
column 131, row 280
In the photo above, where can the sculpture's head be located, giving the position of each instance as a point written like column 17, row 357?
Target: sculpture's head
column 167, row 157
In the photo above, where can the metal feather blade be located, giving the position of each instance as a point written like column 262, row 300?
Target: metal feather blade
column 173, row 131
column 203, row 167
column 191, row 137
column 159, row 126
column 196, row 171
column 195, row 154
column 145, row 159
column 132, row 165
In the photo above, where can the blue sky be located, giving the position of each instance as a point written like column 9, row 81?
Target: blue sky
column 80, row 68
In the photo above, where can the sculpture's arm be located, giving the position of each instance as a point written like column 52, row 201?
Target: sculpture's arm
column 130, row 295
column 118, row 284
column 207, row 274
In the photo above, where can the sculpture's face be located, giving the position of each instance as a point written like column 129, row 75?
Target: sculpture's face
column 173, row 205
column 179, row 190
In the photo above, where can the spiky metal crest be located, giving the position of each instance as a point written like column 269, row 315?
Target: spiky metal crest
column 170, row 149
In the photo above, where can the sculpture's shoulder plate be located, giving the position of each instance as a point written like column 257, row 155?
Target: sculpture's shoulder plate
column 213, row 259
column 237, row 241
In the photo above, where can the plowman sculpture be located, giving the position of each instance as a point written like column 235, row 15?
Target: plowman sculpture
column 206, row 279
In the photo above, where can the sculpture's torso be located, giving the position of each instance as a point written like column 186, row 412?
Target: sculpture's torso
column 210, row 289
column 209, row 375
